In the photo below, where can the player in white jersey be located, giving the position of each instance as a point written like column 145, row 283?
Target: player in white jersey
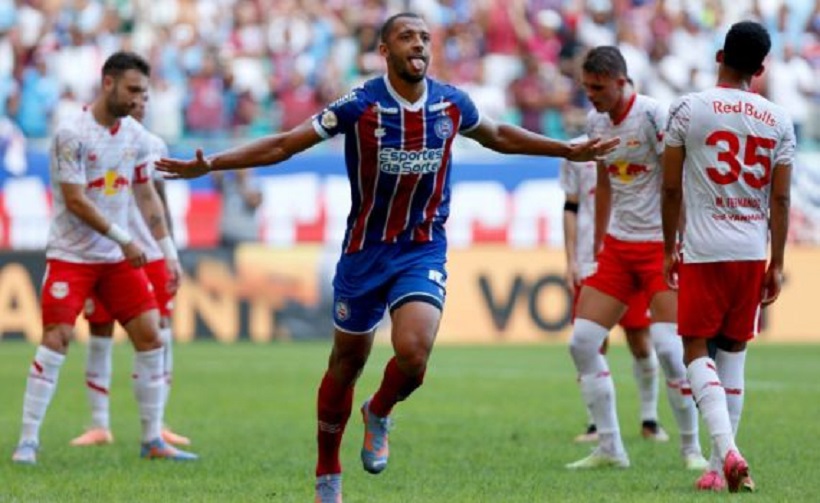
column 729, row 155
column 101, row 322
column 94, row 161
column 578, row 180
column 628, row 241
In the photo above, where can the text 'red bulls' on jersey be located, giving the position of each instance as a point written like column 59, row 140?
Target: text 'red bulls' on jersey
column 398, row 156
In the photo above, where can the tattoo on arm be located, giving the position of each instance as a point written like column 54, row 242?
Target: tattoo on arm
column 154, row 221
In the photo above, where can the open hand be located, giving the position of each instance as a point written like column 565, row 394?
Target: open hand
column 592, row 150
column 175, row 168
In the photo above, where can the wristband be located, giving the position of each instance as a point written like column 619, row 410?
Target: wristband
column 118, row 234
column 169, row 250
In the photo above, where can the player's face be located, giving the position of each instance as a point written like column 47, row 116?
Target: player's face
column 138, row 112
column 603, row 91
column 125, row 92
column 408, row 49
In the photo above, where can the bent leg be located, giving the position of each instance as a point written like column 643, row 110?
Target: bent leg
column 597, row 313
column 65, row 288
column 415, row 325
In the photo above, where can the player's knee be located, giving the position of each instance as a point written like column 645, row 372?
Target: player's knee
column 146, row 338
column 57, row 337
column 413, row 362
column 412, row 354
column 582, row 346
column 346, row 368
column 412, row 349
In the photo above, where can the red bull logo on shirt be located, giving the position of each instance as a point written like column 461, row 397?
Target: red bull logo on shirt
column 626, row 171
column 410, row 162
column 111, row 183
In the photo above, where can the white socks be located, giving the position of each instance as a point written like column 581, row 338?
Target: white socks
column 669, row 347
column 98, row 375
column 711, row 399
column 731, row 369
column 645, row 371
column 98, row 379
column 597, row 387
column 149, row 390
column 167, row 338
column 42, row 381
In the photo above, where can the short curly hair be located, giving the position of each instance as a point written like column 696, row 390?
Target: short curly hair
column 746, row 46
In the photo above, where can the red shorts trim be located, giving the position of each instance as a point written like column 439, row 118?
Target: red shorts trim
column 125, row 291
column 720, row 298
column 626, row 269
column 636, row 316
column 157, row 273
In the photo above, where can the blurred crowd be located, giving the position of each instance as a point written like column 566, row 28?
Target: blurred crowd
column 243, row 68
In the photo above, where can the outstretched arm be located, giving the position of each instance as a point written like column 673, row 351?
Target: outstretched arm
column 265, row 151
column 510, row 139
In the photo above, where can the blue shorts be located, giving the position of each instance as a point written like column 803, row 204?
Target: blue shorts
column 386, row 275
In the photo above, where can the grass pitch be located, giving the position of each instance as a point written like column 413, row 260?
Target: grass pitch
column 491, row 424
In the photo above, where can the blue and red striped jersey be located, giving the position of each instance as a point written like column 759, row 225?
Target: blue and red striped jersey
column 398, row 156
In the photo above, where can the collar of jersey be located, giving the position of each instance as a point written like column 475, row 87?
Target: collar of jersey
column 412, row 107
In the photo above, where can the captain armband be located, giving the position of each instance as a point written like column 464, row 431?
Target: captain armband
column 571, row 206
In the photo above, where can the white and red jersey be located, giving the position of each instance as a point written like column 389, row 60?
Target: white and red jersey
column 733, row 140
column 136, row 224
column 634, row 168
column 579, row 179
column 106, row 161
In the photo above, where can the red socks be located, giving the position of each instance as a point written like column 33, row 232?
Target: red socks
column 334, row 404
column 395, row 387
